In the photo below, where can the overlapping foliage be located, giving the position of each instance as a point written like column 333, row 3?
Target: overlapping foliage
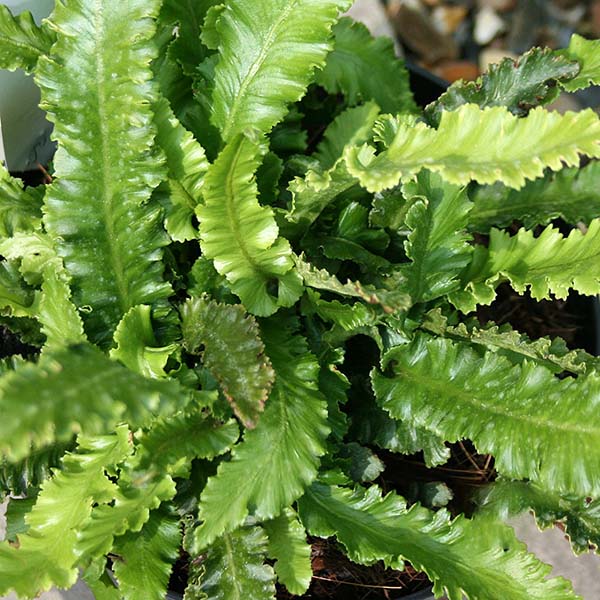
column 251, row 271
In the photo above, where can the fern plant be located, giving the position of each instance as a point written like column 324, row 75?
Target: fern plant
column 240, row 190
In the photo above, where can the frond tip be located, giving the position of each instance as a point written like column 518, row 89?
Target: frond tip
column 486, row 145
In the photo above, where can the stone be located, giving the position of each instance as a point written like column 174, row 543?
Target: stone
column 414, row 27
column 497, row 5
column 372, row 14
column 489, row 56
column 488, row 24
column 449, row 18
column 454, row 70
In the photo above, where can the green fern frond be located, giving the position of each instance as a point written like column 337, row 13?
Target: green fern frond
column 46, row 554
column 183, row 437
column 52, row 307
column 20, row 210
column 234, row 568
column 517, row 347
column 146, row 558
column 571, row 195
column 587, row 54
column 580, row 517
column 134, row 498
column 60, row 320
column 537, row 426
column 290, row 550
column 136, row 345
column 274, row 463
column 519, row 85
column 106, row 173
column 242, row 237
column 438, row 245
column 486, row 145
column 187, row 166
column 391, row 300
column 22, row 42
column 364, row 68
column 547, row 264
column 464, row 558
column 20, row 478
column 188, row 17
column 319, row 187
column 58, row 407
column 349, row 317
column 233, row 352
column 268, row 52
column 16, row 296
column 373, row 425
column 210, row 34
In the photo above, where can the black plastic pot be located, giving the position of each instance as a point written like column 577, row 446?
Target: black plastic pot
column 426, row 86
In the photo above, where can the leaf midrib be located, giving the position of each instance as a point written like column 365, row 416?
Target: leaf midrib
column 107, row 193
column 264, row 53
column 446, row 389
column 232, row 217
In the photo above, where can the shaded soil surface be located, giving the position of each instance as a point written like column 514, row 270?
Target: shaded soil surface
column 337, row 578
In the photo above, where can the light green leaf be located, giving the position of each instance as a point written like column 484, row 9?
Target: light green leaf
column 587, row 54
column 36, row 252
column 360, row 463
column 60, row 320
column 571, row 195
column 389, row 209
column 319, row 187
column 72, row 390
column 579, row 516
column 547, row 264
column 234, row 568
column 210, row 34
column 147, row 557
column 364, row 68
column 106, row 166
column 188, row 15
column 537, row 426
column 352, row 126
column 97, row 579
column 242, row 237
column 187, row 166
column 519, row 85
column 46, row 554
column 16, row 511
column 137, row 346
column 391, row 300
column 278, row 459
column 137, row 494
column 233, row 353
column 25, row 476
column 20, row 210
column 464, row 558
column 550, row 353
column 486, row 145
column 184, row 437
column 438, row 244
column 347, row 316
column 52, row 307
column 291, row 551
column 373, row 425
column 268, row 52
column 22, row 42
column 16, row 297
